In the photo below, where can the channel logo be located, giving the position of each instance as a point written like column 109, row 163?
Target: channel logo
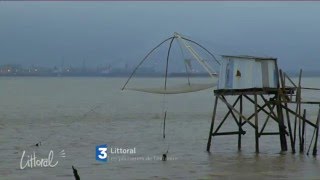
column 101, row 153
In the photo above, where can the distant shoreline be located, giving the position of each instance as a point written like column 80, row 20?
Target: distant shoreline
column 304, row 74
column 144, row 75
column 101, row 76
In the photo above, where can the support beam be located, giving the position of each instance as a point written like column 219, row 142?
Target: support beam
column 285, row 74
column 226, row 116
column 229, row 133
column 269, row 133
column 274, row 116
column 265, row 123
column 302, row 118
column 236, row 111
column 261, row 108
column 230, row 110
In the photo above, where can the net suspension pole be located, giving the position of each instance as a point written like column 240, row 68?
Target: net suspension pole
column 167, row 64
column 195, row 55
column 200, row 60
column 165, row 87
column 185, row 62
column 215, row 59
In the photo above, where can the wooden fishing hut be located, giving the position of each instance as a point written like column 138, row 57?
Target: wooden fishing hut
column 259, row 82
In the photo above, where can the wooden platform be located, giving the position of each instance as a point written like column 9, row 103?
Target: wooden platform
column 252, row 91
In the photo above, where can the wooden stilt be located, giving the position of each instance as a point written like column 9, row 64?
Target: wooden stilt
column 300, row 130
column 282, row 131
column 298, row 112
column 212, row 123
column 283, row 84
column 256, row 122
column 317, row 134
column 303, row 132
column 239, row 124
column 295, row 120
column 289, row 127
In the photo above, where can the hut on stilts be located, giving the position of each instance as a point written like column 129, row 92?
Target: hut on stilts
column 259, row 82
column 245, row 83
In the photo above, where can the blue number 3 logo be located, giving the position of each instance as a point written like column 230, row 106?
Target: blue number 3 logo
column 101, row 153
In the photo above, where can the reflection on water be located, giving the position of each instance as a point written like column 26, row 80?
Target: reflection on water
column 76, row 114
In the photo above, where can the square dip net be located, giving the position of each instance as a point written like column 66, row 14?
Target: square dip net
column 176, row 65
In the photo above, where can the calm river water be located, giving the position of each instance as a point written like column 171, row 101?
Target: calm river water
column 71, row 116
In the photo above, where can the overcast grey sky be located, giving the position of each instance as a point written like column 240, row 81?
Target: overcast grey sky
column 44, row 33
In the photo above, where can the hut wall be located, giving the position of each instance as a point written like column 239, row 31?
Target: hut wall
column 243, row 73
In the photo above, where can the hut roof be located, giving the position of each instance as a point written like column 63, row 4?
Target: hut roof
column 248, row 57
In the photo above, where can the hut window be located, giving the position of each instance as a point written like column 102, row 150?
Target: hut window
column 238, row 74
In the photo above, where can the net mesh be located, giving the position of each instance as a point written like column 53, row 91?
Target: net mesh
column 183, row 88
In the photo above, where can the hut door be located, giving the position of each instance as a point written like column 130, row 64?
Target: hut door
column 265, row 73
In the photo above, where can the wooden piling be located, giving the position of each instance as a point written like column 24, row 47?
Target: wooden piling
column 256, row 122
column 212, row 123
column 283, row 84
column 283, row 141
column 303, row 132
column 317, row 134
column 240, row 124
column 298, row 112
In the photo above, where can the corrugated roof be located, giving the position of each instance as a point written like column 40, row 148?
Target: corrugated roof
column 248, row 57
